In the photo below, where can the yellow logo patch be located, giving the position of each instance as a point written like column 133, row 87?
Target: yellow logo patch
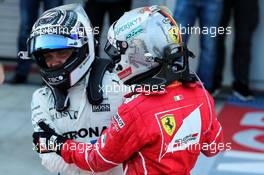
column 168, row 123
column 174, row 34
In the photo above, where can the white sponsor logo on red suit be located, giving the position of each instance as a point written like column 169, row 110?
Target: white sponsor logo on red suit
column 187, row 131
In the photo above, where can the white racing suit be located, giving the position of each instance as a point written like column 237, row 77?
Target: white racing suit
column 82, row 121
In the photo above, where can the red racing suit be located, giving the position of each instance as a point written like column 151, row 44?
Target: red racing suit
column 159, row 133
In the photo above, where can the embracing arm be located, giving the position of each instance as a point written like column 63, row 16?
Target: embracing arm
column 124, row 137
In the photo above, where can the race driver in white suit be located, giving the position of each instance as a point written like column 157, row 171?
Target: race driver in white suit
column 80, row 95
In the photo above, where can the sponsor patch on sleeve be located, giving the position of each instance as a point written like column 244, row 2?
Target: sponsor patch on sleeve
column 119, row 121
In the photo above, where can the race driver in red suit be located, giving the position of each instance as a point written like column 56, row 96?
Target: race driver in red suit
column 166, row 122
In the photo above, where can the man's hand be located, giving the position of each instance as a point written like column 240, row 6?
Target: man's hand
column 48, row 140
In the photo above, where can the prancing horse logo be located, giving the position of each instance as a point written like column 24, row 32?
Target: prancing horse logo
column 168, row 123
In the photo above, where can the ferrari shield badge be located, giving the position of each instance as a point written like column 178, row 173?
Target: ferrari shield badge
column 168, row 123
column 174, row 34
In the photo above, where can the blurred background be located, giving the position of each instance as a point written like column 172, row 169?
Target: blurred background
column 242, row 120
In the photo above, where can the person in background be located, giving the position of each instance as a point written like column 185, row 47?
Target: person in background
column 208, row 12
column 2, row 74
column 163, row 125
column 246, row 17
column 97, row 9
column 29, row 10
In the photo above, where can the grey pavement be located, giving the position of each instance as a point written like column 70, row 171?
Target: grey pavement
column 17, row 156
